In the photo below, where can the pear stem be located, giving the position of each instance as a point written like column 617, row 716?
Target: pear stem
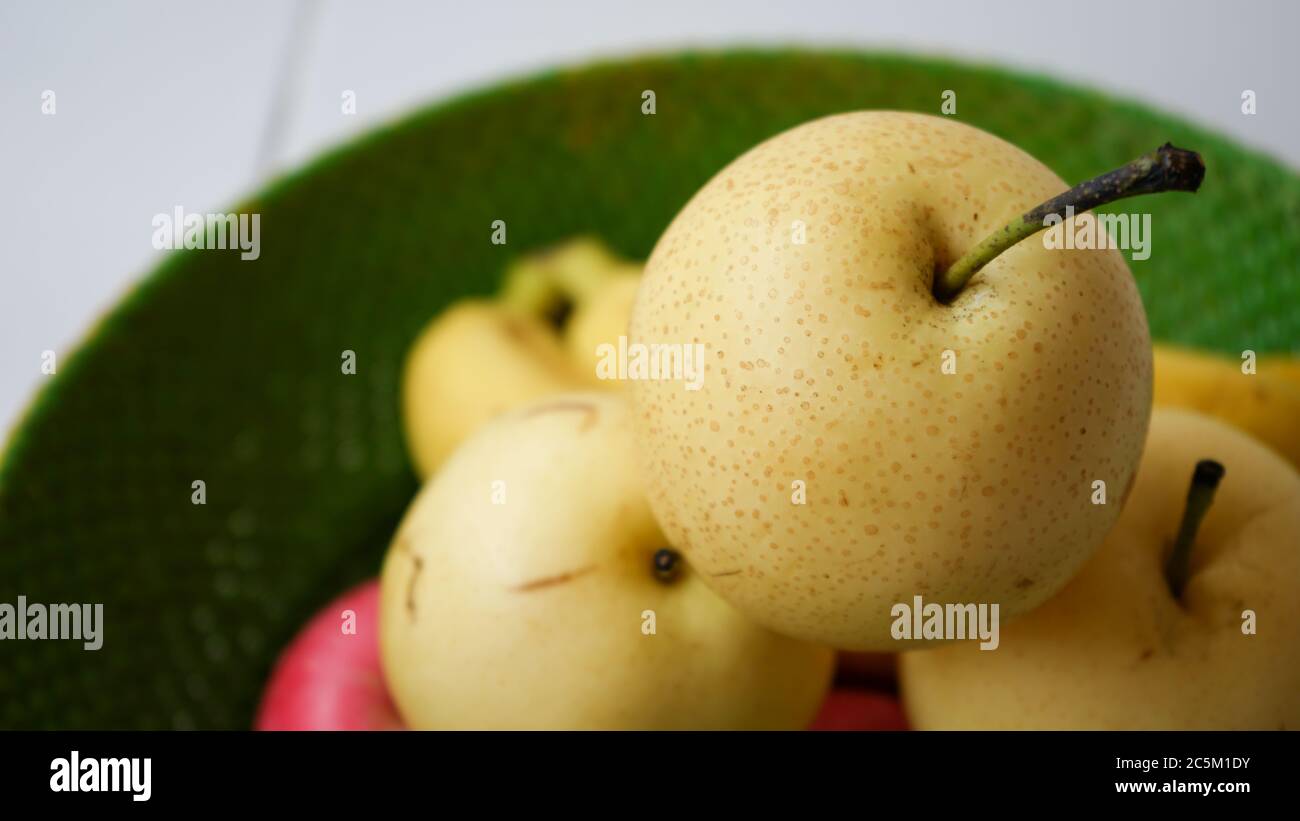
column 1165, row 169
column 1205, row 481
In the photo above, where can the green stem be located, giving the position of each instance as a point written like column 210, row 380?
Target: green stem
column 1205, row 480
column 1165, row 169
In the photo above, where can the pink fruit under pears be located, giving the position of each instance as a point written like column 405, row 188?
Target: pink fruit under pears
column 329, row 679
column 873, row 671
column 846, row 708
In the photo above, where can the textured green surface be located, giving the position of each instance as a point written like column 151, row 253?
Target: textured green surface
column 228, row 371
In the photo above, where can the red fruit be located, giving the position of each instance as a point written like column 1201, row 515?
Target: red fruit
column 328, row 679
column 850, row 709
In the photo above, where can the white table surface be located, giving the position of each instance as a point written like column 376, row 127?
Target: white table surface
column 167, row 103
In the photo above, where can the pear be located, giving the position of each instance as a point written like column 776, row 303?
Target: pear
column 528, row 586
column 477, row 360
column 1117, row 649
column 1264, row 404
column 600, row 320
column 1281, row 366
column 554, row 279
column 538, row 337
column 892, row 406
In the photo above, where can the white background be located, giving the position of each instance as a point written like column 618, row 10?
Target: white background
column 167, row 103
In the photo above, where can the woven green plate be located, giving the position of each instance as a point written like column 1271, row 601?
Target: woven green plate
column 228, row 371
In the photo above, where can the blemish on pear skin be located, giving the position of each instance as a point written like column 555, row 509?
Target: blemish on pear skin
column 552, row 581
column 589, row 411
column 1146, row 654
column 410, row 585
column 404, row 546
column 724, row 573
column 1024, row 584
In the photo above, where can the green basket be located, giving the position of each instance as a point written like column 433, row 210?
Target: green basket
column 229, row 371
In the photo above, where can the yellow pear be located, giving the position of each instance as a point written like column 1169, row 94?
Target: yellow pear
column 529, row 587
column 856, row 440
column 476, row 360
column 599, row 321
column 566, row 273
column 1116, row 649
column 481, row 357
column 1263, row 404
column 1281, row 366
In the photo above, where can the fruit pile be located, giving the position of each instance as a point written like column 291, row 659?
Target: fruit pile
column 902, row 399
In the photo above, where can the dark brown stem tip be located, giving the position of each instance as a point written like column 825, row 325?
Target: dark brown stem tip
column 1208, row 474
column 1167, row 168
column 1200, row 494
column 1177, row 169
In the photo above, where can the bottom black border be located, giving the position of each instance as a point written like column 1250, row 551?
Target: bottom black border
column 239, row 770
